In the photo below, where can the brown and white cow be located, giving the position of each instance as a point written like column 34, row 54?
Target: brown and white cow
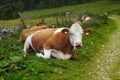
column 86, row 18
column 26, row 32
column 56, row 42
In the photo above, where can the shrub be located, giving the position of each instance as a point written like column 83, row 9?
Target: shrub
column 97, row 20
column 8, row 12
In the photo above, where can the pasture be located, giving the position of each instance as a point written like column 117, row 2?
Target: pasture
column 14, row 67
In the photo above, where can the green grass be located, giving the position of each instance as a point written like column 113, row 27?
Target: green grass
column 14, row 67
column 33, row 17
column 116, row 71
column 95, row 8
column 10, row 23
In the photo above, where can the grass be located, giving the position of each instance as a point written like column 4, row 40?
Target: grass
column 33, row 17
column 95, row 8
column 14, row 67
column 10, row 23
column 115, row 73
column 107, row 59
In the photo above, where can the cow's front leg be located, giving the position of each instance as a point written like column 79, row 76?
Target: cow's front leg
column 74, row 56
column 46, row 55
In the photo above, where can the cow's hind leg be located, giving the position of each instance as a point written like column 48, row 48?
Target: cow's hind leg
column 26, row 46
column 46, row 55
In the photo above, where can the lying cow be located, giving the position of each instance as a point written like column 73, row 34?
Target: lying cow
column 27, row 32
column 86, row 18
column 41, row 24
column 56, row 42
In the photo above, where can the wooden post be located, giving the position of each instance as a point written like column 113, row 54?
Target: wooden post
column 63, row 22
column 43, row 21
column 23, row 23
column 57, row 22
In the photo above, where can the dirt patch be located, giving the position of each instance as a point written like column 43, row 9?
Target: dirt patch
column 109, row 55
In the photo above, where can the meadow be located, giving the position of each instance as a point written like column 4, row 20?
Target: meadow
column 14, row 67
column 33, row 17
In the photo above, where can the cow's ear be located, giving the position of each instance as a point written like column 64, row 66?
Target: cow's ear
column 65, row 31
column 88, row 31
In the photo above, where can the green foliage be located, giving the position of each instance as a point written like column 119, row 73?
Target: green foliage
column 9, row 11
column 115, row 73
column 42, row 4
column 94, row 8
column 115, row 1
column 115, row 11
column 14, row 67
column 9, row 8
column 96, row 20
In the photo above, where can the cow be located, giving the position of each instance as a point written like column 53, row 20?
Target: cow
column 41, row 24
column 28, row 31
column 86, row 18
column 60, row 43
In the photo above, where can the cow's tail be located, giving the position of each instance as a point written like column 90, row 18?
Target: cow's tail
column 27, row 44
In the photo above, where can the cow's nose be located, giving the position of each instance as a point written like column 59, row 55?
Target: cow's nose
column 78, row 44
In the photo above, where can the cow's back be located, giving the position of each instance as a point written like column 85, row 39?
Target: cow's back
column 60, row 42
column 26, row 32
column 40, row 37
column 33, row 29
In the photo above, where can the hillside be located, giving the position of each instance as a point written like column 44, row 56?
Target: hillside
column 95, row 57
column 93, row 7
column 33, row 17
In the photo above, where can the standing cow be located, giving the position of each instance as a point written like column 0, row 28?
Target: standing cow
column 56, row 42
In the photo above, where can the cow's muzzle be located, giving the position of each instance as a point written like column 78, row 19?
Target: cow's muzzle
column 78, row 44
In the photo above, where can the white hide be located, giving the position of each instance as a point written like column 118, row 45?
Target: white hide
column 47, row 54
column 76, row 34
column 59, row 30
column 86, row 18
column 54, row 53
column 60, row 55
column 27, row 44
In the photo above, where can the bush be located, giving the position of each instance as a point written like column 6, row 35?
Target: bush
column 97, row 20
column 9, row 11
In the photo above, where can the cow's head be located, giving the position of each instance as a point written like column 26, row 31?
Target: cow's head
column 83, row 17
column 76, row 33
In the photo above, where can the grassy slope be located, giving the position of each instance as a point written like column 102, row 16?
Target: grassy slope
column 33, row 17
column 94, row 8
column 14, row 67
